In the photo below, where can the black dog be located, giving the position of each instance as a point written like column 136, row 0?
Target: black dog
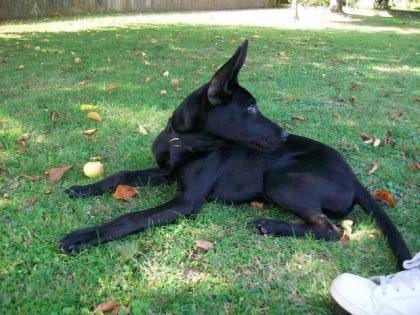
column 218, row 146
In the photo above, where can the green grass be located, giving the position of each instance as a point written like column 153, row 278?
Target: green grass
column 291, row 73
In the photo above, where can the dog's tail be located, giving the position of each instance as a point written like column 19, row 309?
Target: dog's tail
column 393, row 236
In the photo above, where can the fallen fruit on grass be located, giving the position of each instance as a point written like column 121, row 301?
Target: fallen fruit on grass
column 93, row 169
column 94, row 116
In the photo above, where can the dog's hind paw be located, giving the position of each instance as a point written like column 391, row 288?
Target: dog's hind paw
column 260, row 226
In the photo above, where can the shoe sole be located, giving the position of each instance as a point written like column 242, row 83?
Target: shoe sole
column 345, row 304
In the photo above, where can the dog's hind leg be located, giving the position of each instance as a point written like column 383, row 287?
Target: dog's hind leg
column 316, row 224
column 153, row 176
column 302, row 196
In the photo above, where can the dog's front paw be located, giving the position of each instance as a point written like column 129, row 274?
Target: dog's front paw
column 82, row 191
column 266, row 226
column 74, row 242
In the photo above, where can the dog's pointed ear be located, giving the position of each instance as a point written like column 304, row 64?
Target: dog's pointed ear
column 219, row 87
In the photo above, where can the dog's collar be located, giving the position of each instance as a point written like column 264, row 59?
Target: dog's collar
column 175, row 142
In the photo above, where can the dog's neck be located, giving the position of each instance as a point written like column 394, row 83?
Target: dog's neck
column 194, row 141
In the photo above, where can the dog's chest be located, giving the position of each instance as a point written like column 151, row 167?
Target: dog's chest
column 241, row 178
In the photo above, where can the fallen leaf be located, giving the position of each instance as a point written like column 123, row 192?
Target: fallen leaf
column 31, row 203
column 94, row 116
column 87, row 107
column 108, row 306
column 386, row 197
column 37, row 48
column 147, row 63
column 204, row 245
column 365, row 137
column 166, row 74
column 352, row 98
column 257, row 204
column 84, row 82
column 53, row 116
column 20, row 67
column 388, row 137
column 373, row 168
column 194, row 276
column 142, row 130
column 174, row 82
column 417, row 99
column 163, row 92
column 300, row 118
column 127, row 251
column 356, row 85
column 55, row 174
column 24, row 139
column 111, row 87
column 376, row 142
column 125, row 192
column 347, row 227
column 2, row 147
column 77, row 60
column 90, row 132
column 414, row 165
column 27, row 45
column 32, row 178
column 149, row 79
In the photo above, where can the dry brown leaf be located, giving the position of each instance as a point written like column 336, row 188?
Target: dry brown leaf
column 32, row 178
column 373, row 168
column 347, row 229
column 77, row 60
column 388, row 137
column 31, row 203
column 143, row 130
column 24, row 139
column 2, row 147
column 356, row 85
column 300, row 118
column 55, row 174
column 84, row 82
column 53, row 116
column 94, row 116
column 385, row 196
column 257, row 204
column 352, row 98
column 87, row 107
column 107, row 306
column 111, row 87
column 90, row 132
column 414, row 165
column 149, row 79
column 125, row 192
column 204, row 245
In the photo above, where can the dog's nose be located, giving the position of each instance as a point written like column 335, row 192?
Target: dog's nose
column 284, row 135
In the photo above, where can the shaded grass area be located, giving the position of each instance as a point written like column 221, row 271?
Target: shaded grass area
column 292, row 73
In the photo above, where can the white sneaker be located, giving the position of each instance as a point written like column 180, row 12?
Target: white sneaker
column 397, row 294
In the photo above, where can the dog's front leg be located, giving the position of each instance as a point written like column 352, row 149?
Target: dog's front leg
column 130, row 223
column 152, row 176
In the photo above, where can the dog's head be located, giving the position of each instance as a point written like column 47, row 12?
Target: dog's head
column 226, row 110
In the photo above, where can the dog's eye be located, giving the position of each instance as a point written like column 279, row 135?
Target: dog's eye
column 252, row 109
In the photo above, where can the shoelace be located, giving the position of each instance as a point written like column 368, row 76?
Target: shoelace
column 405, row 277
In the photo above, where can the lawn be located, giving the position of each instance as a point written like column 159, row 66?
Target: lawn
column 330, row 85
